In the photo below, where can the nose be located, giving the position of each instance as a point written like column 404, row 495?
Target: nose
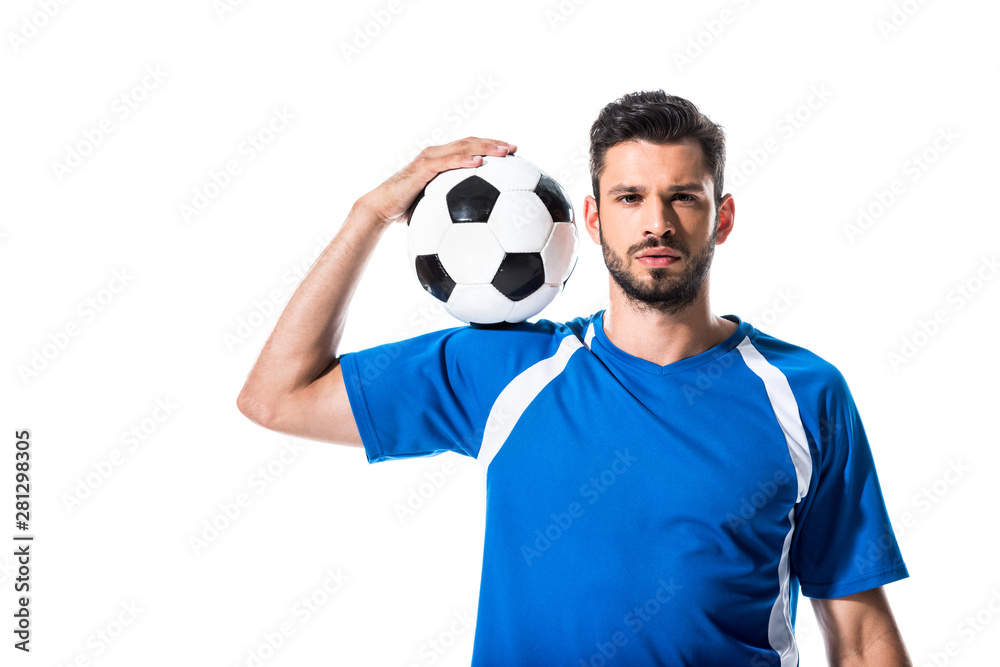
column 658, row 219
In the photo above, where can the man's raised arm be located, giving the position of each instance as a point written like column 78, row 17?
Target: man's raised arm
column 296, row 386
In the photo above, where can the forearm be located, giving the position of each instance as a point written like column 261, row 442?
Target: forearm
column 859, row 630
column 296, row 386
column 886, row 650
column 305, row 339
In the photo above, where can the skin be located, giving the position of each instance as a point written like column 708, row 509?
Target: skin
column 857, row 629
column 297, row 387
column 860, row 630
column 683, row 220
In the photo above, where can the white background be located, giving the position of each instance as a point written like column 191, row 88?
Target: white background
column 868, row 85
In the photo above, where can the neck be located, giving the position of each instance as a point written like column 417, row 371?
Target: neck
column 664, row 338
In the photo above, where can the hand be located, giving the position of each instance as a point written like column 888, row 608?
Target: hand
column 392, row 200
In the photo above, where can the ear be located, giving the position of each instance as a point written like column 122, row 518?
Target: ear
column 590, row 219
column 727, row 216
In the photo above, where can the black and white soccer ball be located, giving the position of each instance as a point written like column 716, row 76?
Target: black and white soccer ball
column 495, row 243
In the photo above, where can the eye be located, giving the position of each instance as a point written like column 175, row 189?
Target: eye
column 624, row 196
column 689, row 197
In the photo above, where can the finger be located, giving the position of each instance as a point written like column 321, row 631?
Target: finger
column 427, row 168
column 407, row 182
column 470, row 146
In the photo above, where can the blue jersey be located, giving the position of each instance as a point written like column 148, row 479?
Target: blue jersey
column 639, row 514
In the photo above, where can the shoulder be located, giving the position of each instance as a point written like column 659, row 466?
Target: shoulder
column 822, row 397
column 811, row 377
column 481, row 361
column 525, row 342
column 498, row 352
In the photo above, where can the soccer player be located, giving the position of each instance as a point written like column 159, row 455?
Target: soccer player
column 661, row 482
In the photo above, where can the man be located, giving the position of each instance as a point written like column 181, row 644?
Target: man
column 660, row 481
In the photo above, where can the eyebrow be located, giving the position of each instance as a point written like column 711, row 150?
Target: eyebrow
column 639, row 190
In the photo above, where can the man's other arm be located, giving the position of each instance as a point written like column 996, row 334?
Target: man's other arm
column 859, row 630
column 297, row 386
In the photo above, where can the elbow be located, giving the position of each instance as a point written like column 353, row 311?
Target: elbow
column 255, row 408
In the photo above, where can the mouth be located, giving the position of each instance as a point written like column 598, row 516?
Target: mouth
column 656, row 257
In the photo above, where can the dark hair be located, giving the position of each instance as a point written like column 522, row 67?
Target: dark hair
column 658, row 118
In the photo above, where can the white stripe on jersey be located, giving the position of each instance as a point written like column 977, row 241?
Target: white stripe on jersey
column 517, row 396
column 589, row 336
column 786, row 409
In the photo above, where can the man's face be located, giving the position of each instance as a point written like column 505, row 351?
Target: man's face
column 658, row 225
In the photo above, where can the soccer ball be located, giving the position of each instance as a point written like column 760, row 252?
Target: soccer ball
column 495, row 243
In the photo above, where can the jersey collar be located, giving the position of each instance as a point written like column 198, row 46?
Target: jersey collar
column 742, row 331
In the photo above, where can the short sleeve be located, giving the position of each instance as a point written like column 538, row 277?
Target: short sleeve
column 412, row 397
column 843, row 542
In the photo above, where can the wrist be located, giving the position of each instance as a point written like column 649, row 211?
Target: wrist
column 364, row 209
column 365, row 216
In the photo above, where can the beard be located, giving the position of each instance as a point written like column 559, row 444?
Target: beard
column 663, row 292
